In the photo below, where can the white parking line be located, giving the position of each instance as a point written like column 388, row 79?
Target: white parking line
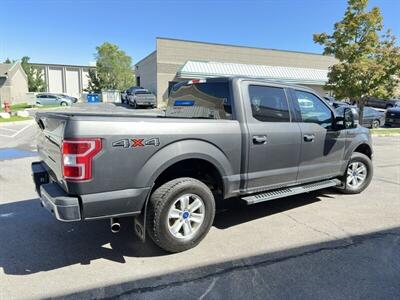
column 16, row 132
column 13, row 130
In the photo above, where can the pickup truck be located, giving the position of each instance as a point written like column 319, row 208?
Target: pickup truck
column 236, row 139
column 141, row 97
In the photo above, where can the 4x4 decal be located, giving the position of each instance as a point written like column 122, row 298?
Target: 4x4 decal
column 136, row 143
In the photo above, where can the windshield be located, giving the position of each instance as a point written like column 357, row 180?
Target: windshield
column 203, row 99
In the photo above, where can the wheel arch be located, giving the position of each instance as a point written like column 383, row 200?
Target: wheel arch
column 182, row 152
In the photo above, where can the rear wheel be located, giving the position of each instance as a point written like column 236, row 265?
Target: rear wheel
column 376, row 124
column 181, row 213
column 358, row 174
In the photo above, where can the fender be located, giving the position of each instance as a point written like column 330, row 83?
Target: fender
column 181, row 150
column 353, row 142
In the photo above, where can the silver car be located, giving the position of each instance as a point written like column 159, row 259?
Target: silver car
column 53, row 99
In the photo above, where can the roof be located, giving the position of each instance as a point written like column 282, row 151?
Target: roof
column 9, row 70
column 62, row 65
column 202, row 69
column 238, row 46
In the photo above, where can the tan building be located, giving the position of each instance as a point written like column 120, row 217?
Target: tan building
column 175, row 60
column 13, row 83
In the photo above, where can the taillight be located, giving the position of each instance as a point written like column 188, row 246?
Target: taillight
column 77, row 156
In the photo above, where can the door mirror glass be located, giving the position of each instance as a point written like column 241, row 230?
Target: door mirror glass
column 350, row 117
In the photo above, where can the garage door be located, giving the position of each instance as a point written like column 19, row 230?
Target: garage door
column 72, row 82
column 55, row 80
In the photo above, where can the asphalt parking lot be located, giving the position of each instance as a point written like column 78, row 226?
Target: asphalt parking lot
column 320, row 245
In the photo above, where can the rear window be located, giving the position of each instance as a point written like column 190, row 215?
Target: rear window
column 205, row 100
column 142, row 92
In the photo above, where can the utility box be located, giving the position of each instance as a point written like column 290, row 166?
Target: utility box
column 111, row 96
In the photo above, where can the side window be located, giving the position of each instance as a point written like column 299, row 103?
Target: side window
column 269, row 104
column 313, row 110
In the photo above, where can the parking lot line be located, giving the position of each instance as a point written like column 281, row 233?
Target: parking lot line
column 15, row 131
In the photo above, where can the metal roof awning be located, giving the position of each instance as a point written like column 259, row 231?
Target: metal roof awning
column 202, row 69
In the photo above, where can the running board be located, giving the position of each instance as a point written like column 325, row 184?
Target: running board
column 285, row 192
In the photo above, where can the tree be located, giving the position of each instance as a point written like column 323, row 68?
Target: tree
column 369, row 60
column 8, row 61
column 36, row 82
column 113, row 69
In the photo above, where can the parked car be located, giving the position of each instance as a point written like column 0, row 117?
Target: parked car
column 53, row 99
column 332, row 101
column 381, row 103
column 220, row 138
column 372, row 118
column 73, row 99
column 393, row 116
column 124, row 96
column 142, row 97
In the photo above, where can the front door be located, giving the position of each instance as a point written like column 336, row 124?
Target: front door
column 322, row 147
column 274, row 141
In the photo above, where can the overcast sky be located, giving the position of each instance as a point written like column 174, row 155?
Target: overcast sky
column 67, row 32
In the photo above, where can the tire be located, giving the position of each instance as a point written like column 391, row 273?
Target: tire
column 63, row 104
column 375, row 124
column 362, row 160
column 170, row 225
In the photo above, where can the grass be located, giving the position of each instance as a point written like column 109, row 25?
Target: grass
column 14, row 119
column 385, row 131
column 17, row 107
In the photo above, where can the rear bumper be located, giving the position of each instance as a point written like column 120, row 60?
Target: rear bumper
column 69, row 208
column 56, row 201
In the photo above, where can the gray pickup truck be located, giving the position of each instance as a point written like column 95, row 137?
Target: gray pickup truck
column 240, row 139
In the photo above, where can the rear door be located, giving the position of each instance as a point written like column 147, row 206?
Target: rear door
column 322, row 146
column 274, row 141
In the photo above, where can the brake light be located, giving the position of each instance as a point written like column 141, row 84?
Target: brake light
column 77, row 156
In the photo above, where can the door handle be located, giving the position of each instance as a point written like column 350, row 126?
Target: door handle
column 259, row 139
column 309, row 137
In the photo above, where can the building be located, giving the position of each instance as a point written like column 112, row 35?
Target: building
column 66, row 79
column 175, row 60
column 13, row 83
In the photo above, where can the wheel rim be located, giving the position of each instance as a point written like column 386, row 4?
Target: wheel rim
column 356, row 174
column 375, row 124
column 185, row 216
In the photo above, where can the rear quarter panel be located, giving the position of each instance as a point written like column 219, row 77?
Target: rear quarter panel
column 118, row 168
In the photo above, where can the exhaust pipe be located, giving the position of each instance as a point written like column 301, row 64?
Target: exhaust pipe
column 115, row 225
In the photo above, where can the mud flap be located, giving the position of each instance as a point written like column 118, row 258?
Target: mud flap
column 140, row 220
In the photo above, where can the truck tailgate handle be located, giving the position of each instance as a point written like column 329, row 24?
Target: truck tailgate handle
column 259, row 139
column 309, row 137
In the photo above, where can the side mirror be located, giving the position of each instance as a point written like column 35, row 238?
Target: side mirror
column 350, row 117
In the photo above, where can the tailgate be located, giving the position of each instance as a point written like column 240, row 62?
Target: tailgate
column 50, row 140
column 145, row 97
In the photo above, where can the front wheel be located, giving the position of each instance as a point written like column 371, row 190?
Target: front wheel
column 181, row 213
column 63, row 104
column 358, row 174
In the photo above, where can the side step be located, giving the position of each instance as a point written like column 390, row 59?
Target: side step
column 289, row 191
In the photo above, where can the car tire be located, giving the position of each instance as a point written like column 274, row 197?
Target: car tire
column 63, row 104
column 356, row 164
column 175, row 228
column 375, row 124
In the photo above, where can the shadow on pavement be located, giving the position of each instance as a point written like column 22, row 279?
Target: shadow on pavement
column 358, row 267
column 29, row 233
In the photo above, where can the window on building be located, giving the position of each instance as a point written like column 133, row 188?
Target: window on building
column 138, row 80
column 269, row 104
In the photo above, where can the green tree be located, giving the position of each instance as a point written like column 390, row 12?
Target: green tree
column 369, row 60
column 113, row 69
column 36, row 82
column 8, row 61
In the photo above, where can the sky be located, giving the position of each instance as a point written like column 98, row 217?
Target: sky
column 67, row 31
